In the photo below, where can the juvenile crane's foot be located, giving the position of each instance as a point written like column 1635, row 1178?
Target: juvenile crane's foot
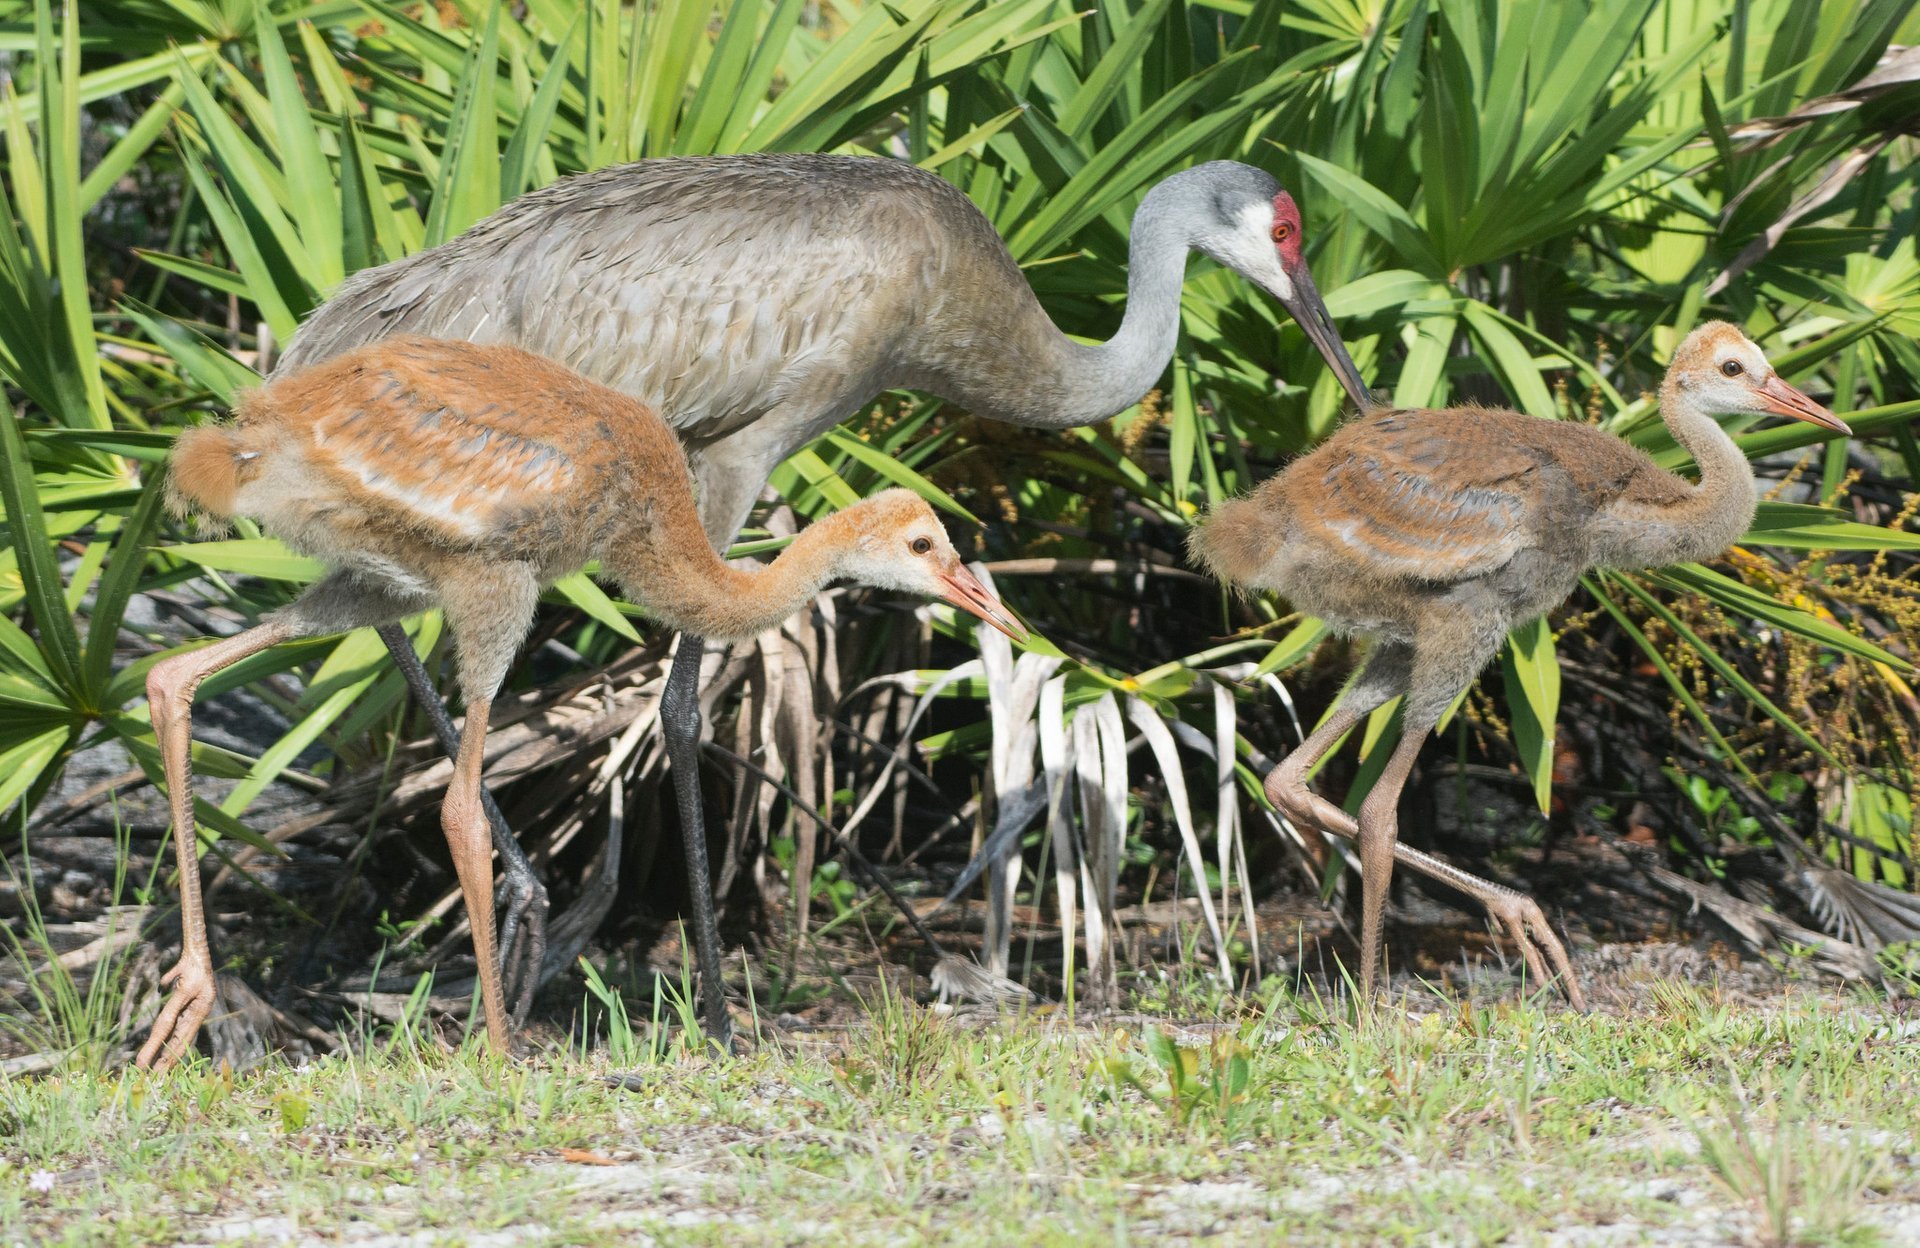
column 179, row 1020
column 1526, row 923
column 1517, row 913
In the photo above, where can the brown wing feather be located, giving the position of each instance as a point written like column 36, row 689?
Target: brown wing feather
column 1449, row 495
column 447, row 438
column 458, row 458
column 1416, row 495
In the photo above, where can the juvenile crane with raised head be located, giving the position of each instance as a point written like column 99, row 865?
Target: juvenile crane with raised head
column 434, row 473
column 755, row 301
column 1435, row 532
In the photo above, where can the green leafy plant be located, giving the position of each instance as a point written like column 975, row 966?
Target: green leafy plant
column 72, row 1011
column 1199, row 1082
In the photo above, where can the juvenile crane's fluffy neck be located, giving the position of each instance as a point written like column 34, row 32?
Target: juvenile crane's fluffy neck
column 690, row 587
column 1717, row 511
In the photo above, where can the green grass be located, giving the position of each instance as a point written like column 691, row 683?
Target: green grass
column 1688, row 1121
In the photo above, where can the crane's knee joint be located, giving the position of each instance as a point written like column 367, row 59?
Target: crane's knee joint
column 461, row 817
column 170, row 686
column 1286, row 787
column 1289, row 800
column 1381, row 812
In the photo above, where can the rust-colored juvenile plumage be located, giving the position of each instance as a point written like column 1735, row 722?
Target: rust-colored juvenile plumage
column 1433, row 533
column 442, row 473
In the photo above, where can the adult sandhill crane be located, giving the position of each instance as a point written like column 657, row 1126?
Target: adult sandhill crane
column 434, row 473
column 756, row 301
column 1435, row 532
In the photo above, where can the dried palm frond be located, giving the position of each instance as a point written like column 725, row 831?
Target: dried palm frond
column 1762, row 929
column 1863, row 912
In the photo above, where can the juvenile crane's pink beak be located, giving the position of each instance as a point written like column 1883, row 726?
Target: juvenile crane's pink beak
column 965, row 591
column 1779, row 397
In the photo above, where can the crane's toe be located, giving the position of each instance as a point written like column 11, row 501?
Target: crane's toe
column 1527, row 924
column 179, row 1020
column 523, row 941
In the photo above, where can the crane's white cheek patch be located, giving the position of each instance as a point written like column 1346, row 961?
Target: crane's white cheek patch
column 1260, row 259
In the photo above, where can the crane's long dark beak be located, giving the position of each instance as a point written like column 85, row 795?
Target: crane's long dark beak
column 1779, row 397
column 1311, row 311
column 965, row 591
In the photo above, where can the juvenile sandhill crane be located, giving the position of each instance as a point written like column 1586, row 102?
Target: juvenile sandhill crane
column 435, row 473
column 756, row 301
column 1435, row 532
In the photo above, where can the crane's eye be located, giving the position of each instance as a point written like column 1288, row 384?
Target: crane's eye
column 1732, row 368
column 920, row 545
column 1282, row 231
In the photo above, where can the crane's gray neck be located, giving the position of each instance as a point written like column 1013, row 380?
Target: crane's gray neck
column 1043, row 379
column 1110, row 377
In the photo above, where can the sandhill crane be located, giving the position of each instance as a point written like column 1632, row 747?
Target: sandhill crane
column 1434, row 532
column 436, row 473
column 756, row 301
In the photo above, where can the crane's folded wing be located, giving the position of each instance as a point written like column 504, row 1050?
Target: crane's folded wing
column 444, row 462
column 1419, row 500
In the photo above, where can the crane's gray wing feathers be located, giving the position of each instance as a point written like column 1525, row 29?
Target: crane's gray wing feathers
column 717, row 290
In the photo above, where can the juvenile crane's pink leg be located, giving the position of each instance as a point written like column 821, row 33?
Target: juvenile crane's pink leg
column 523, row 927
column 1286, row 787
column 170, row 689
column 488, row 609
column 470, row 841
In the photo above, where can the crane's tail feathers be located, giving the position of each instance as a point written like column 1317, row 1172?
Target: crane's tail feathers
column 209, row 464
column 1229, row 543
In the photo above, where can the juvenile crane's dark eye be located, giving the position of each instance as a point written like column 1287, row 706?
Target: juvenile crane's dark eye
column 1732, row 368
column 920, row 545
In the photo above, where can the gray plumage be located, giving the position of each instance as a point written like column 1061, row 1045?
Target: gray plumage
column 756, row 301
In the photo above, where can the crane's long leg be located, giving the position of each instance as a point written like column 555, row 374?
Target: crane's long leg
column 1379, row 837
column 488, row 610
column 523, row 919
column 1518, row 913
column 336, row 602
column 1383, row 675
column 465, row 824
column 680, row 725
column 1381, row 678
column 170, row 689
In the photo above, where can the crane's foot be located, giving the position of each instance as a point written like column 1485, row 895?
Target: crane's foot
column 180, row 1019
column 523, row 938
column 1526, row 923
